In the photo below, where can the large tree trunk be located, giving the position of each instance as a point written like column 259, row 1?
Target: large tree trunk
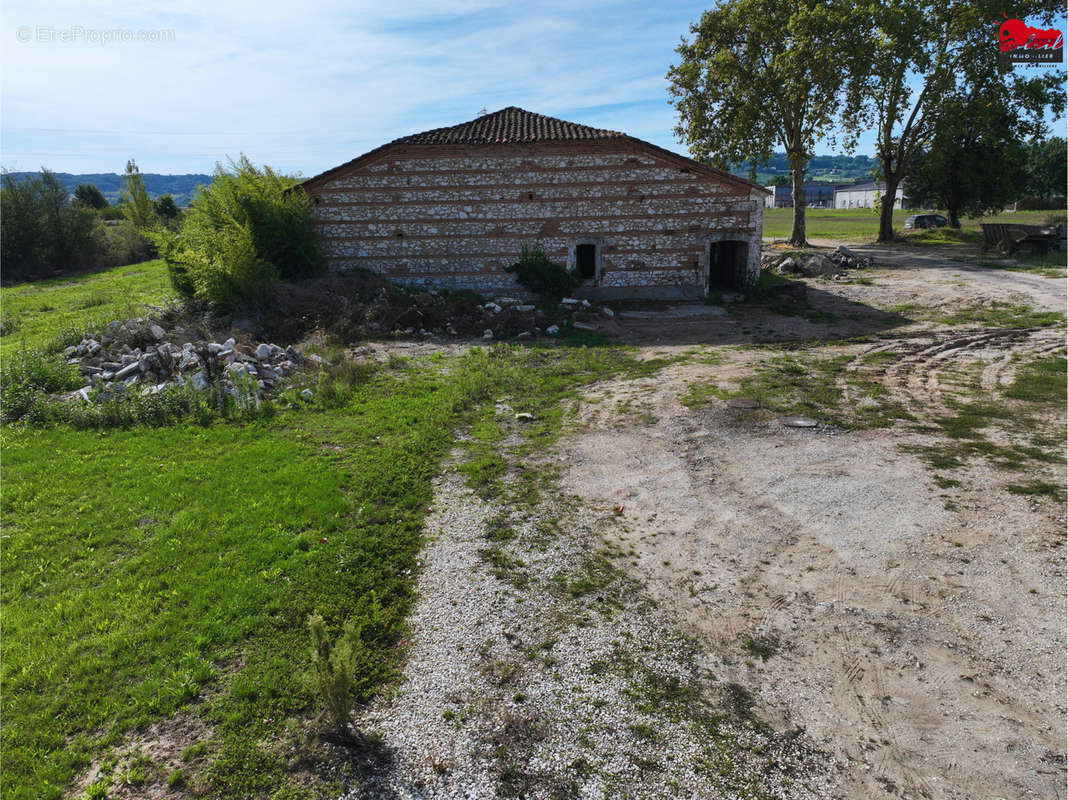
column 797, row 234
column 886, row 212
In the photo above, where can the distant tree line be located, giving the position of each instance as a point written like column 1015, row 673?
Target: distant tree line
column 844, row 168
column 180, row 187
column 45, row 229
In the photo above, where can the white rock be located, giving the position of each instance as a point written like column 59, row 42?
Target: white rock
column 231, row 343
column 487, row 334
column 552, row 330
column 524, row 308
column 307, row 394
column 214, row 347
column 569, row 301
column 199, row 382
column 130, row 369
column 263, row 352
column 585, row 303
column 157, row 332
column 608, row 312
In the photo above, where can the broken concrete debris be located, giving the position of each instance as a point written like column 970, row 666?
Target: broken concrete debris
column 813, row 263
column 137, row 355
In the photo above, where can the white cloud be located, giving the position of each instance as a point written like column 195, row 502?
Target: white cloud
column 305, row 88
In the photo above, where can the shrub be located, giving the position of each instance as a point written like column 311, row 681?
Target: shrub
column 121, row 244
column 28, row 377
column 242, row 232
column 537, row 273
column 335, row 667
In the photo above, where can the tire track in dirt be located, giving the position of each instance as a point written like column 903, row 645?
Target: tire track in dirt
column 917, row 373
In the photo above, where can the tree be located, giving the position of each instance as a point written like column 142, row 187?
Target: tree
column 1047, row 168
column 41, row 231
column 761, row 73
column 136, row 204
column 88, row 195
column 780, row 180
column 921, row 57
column 165, row 209
column 976, row 160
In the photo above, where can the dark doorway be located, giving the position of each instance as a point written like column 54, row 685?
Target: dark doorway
column 586, row 261
column 727, row 264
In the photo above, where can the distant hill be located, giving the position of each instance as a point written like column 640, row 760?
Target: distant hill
column 835, row 169
column 181, row 186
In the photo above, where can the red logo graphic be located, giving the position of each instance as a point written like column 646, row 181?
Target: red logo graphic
column 1015, row 34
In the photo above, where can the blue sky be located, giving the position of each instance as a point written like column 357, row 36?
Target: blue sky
column 304, row 89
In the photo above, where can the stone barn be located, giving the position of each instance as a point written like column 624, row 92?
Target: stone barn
column 452, row 207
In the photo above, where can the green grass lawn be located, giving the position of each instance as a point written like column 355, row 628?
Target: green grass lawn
column 862, row 224
column 150, row 571
column 38, row 314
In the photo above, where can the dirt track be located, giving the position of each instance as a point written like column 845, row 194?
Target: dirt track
column 920, row 632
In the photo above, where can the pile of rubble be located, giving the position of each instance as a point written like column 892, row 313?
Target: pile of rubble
column 360, row 305
column 582, row 315
column 813, row 263
column 120, row 358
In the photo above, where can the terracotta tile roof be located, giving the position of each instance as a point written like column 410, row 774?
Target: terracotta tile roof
column 509, row 125
column 514, row 125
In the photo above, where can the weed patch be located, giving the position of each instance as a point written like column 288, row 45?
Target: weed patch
column 1043, row 380
column 1038, row 489
column 819, row 388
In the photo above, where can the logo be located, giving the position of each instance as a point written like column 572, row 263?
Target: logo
column 1019, row 43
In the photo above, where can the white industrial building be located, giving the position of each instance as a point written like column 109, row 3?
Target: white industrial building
column 864, row 195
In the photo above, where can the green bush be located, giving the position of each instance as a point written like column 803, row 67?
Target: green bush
column 26, row 380
column 242, row 232
column 536, row 272
column 123, row 244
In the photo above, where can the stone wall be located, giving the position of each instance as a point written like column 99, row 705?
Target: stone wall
column 456, row 216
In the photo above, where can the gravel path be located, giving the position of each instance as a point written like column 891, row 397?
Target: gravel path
column 542, row 671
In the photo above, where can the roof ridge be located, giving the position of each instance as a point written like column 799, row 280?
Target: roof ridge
column 509, row 124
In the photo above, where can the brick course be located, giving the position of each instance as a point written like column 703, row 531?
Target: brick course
column 455, row 215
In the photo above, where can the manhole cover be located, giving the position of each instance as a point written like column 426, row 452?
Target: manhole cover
column 743, row 402
column 798, row 422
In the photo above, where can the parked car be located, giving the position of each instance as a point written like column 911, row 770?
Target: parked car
column 918, row 221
